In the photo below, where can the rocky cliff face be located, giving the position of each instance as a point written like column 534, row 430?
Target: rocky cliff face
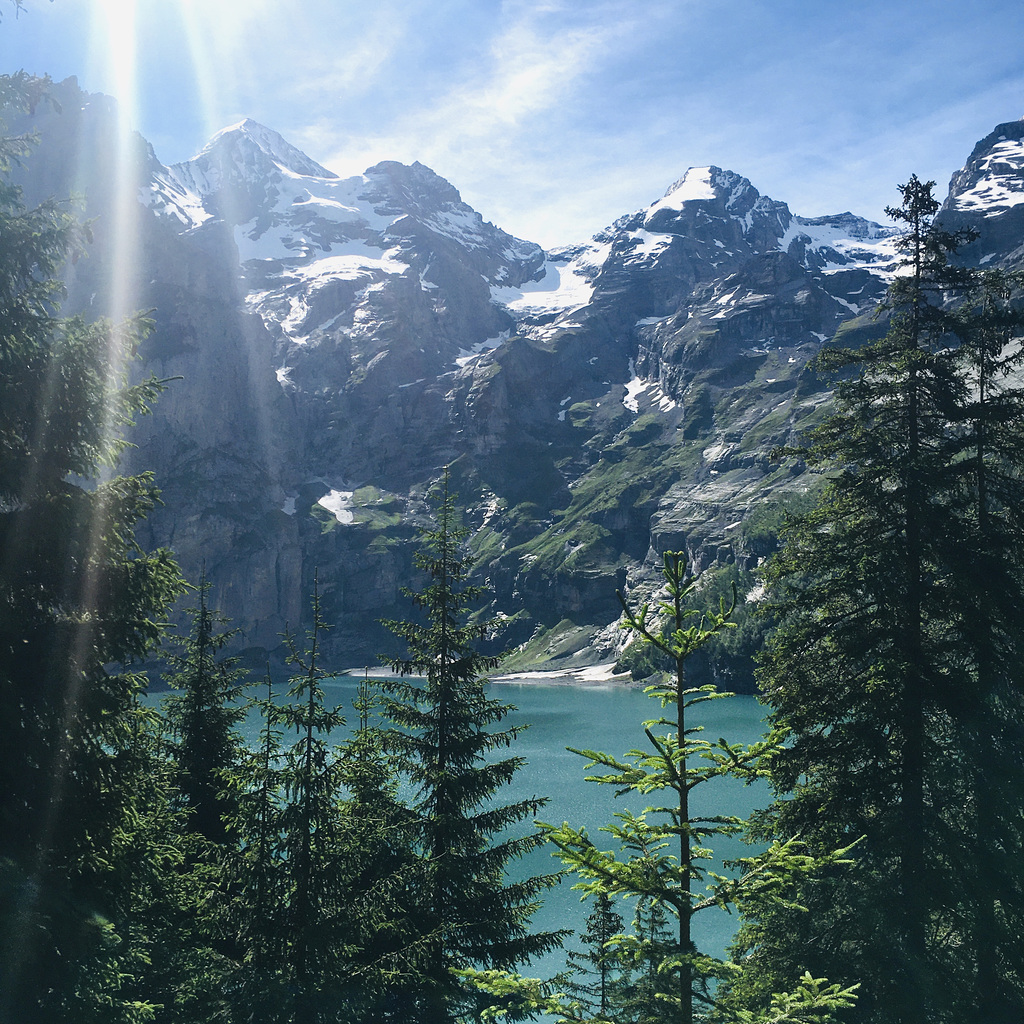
column 341, row 340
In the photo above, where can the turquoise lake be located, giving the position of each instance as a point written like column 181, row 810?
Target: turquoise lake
column 605, row 717
column 610, row 719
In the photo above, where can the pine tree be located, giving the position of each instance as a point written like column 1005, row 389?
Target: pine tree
column 470, row 914
column 309, row 826
column 255, row 915
column 80, row 602
column 203, row 718
column 991, row 434
column 874, row 668
column 323, row 884
column 376, row 839
column 650, row 999
column 162, row 882
column 289, row 902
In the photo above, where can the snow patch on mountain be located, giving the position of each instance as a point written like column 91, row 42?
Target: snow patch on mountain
column 166, row 196
column 468, row 355
column 633, row 388
column 309, row 216
column 565, row 284
column 999, row 186
column 694, row 186
column 339, row 504
column 650, row 392
column 350, row 262
column 841, row 242
column 647, row 245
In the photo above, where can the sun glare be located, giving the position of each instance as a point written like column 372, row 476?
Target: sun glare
column 114, row 37
column 113, row 43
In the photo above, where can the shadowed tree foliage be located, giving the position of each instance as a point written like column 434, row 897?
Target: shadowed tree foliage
column 896, row 664
column 80, row 603
column 991, row 432
column 377, row 837
column 600, row 976
column 255, row 913
column 310, row 867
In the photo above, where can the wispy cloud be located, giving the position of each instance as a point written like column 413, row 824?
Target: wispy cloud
column 365, row 58
column 554, row 116
column 526, row 69
column 515, row 98
column 530, row 70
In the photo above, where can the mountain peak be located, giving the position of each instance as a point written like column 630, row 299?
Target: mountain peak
column 992, row 180
column 704, row 195
column 248, row 137
column 708, row 185
column 696, row 184
column 414, row 183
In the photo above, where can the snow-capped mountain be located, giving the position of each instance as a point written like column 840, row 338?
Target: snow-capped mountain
column 987, row 196
column 840, row 242
column 320, row 255
column 707, row 223
column 239, row 172
column 711, row 268
column 285, row 206
column 342, row 339
column 991, row 181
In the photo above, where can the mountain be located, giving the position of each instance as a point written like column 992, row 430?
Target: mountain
column 341, row 340
column 987, row 196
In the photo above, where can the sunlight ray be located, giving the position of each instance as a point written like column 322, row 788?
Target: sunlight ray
column 206, row 62
column 213, row 37
column 112, row 41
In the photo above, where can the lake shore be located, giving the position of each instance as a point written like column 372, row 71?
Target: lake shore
column 589, row 676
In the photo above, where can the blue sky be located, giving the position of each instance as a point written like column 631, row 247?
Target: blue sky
column 553, row 117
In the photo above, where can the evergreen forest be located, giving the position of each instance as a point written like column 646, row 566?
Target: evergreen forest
column 154, row 867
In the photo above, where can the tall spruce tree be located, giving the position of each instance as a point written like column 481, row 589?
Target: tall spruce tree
column 990, row 429
column 255, row 914
column 377, row 839
column 323, row 887
column 470, row 914
column 80, row 602
column 163, row 964
column 309, row 832
column 873, row 667
column 650, row 998
column 289, row 901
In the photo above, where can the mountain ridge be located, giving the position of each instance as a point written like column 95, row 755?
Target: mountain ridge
column 597, row 404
